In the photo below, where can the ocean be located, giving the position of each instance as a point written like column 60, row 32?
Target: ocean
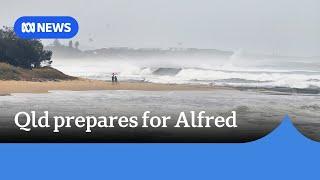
column 237, row 70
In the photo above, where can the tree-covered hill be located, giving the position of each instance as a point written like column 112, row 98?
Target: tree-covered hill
column 22, row 53
column 27, row 60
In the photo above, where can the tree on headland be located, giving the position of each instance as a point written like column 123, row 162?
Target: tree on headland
column 21, row 52
column 56, row 43
column 70, row 44
column 76, row 44
column 68, row 49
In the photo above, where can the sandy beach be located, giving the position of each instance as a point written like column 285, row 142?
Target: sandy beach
column 8, row 87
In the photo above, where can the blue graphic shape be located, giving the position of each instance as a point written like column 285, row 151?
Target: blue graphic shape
column 286, row 134
column 46, row 27
column 283, row 154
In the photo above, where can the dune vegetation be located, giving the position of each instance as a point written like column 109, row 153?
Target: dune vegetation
column 9, row 72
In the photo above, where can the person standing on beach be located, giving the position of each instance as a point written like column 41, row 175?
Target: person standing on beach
column 116, row 79
column 113, row 78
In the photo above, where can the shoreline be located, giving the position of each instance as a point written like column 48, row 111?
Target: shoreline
column 9, row 87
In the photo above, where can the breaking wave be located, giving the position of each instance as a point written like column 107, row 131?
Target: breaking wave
column 221, row 72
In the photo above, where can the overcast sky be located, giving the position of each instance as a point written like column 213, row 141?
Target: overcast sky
column 288, row 27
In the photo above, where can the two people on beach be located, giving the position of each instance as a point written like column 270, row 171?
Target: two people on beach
column 114, row 78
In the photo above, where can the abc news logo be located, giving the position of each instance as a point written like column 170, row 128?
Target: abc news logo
column 46, row 27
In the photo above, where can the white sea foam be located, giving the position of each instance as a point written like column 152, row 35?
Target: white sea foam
column 232, row 71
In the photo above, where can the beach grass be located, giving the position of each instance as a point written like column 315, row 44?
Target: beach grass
column 9, row 72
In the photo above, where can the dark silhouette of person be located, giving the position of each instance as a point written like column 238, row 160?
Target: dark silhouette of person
column 115, row 79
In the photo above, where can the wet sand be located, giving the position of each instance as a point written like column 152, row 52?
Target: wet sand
column 8, row 87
